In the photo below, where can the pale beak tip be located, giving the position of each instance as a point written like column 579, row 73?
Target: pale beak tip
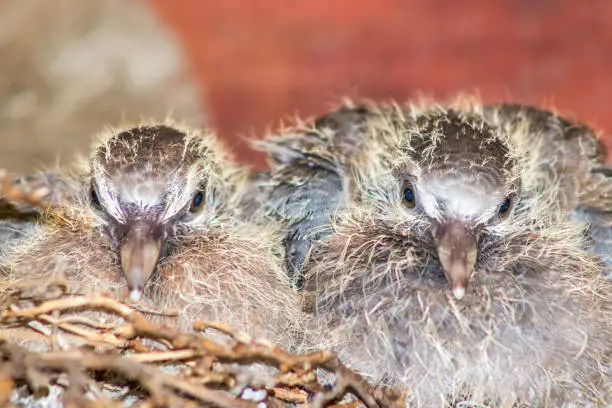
column 459, row 292
column 135, row 295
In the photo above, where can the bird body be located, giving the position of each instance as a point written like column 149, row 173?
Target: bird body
column 152, row 218
column 450, row 267
column 575, row 160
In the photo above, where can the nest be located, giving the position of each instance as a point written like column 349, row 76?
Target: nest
column 90, row 359
column 104, row 353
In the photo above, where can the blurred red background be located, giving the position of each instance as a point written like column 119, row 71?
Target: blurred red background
column 262, row 61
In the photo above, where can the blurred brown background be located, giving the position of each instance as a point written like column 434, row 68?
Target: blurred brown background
column 264, row 60
column 69, row 68
column 244, row 65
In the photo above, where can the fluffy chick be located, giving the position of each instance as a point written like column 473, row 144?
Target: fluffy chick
column 449, row 270
column 152, row 214
column 312, row 171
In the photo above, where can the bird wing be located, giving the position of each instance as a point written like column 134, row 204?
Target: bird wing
column 308, row 183
column 573, row 154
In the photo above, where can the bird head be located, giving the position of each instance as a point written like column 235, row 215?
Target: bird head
column 149, row 185
column 457, row 182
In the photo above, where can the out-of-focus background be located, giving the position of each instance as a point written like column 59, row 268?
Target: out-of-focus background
column 73, row 66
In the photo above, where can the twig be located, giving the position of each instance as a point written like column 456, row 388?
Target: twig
column 164, row 356
column 296, row 396
column 104, row 338
column 72, row 303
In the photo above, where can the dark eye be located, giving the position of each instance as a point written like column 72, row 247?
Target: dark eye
column 408, row 195
column 95, row 201
column 197, row 201
column 505, row 207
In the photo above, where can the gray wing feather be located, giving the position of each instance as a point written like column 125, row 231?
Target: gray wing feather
column 308, row 182
column 599, row 233
column 305, row 202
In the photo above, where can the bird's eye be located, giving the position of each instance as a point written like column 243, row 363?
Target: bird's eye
column 505, row 207
column 197, row 201
column 408, row 195
column 95, row 200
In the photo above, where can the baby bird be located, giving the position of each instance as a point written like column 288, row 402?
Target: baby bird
column 312, row 171
column 448, row 270
column 152, row 215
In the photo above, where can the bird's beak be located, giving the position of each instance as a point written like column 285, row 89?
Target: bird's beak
column 139, row 255
column 457, row 250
